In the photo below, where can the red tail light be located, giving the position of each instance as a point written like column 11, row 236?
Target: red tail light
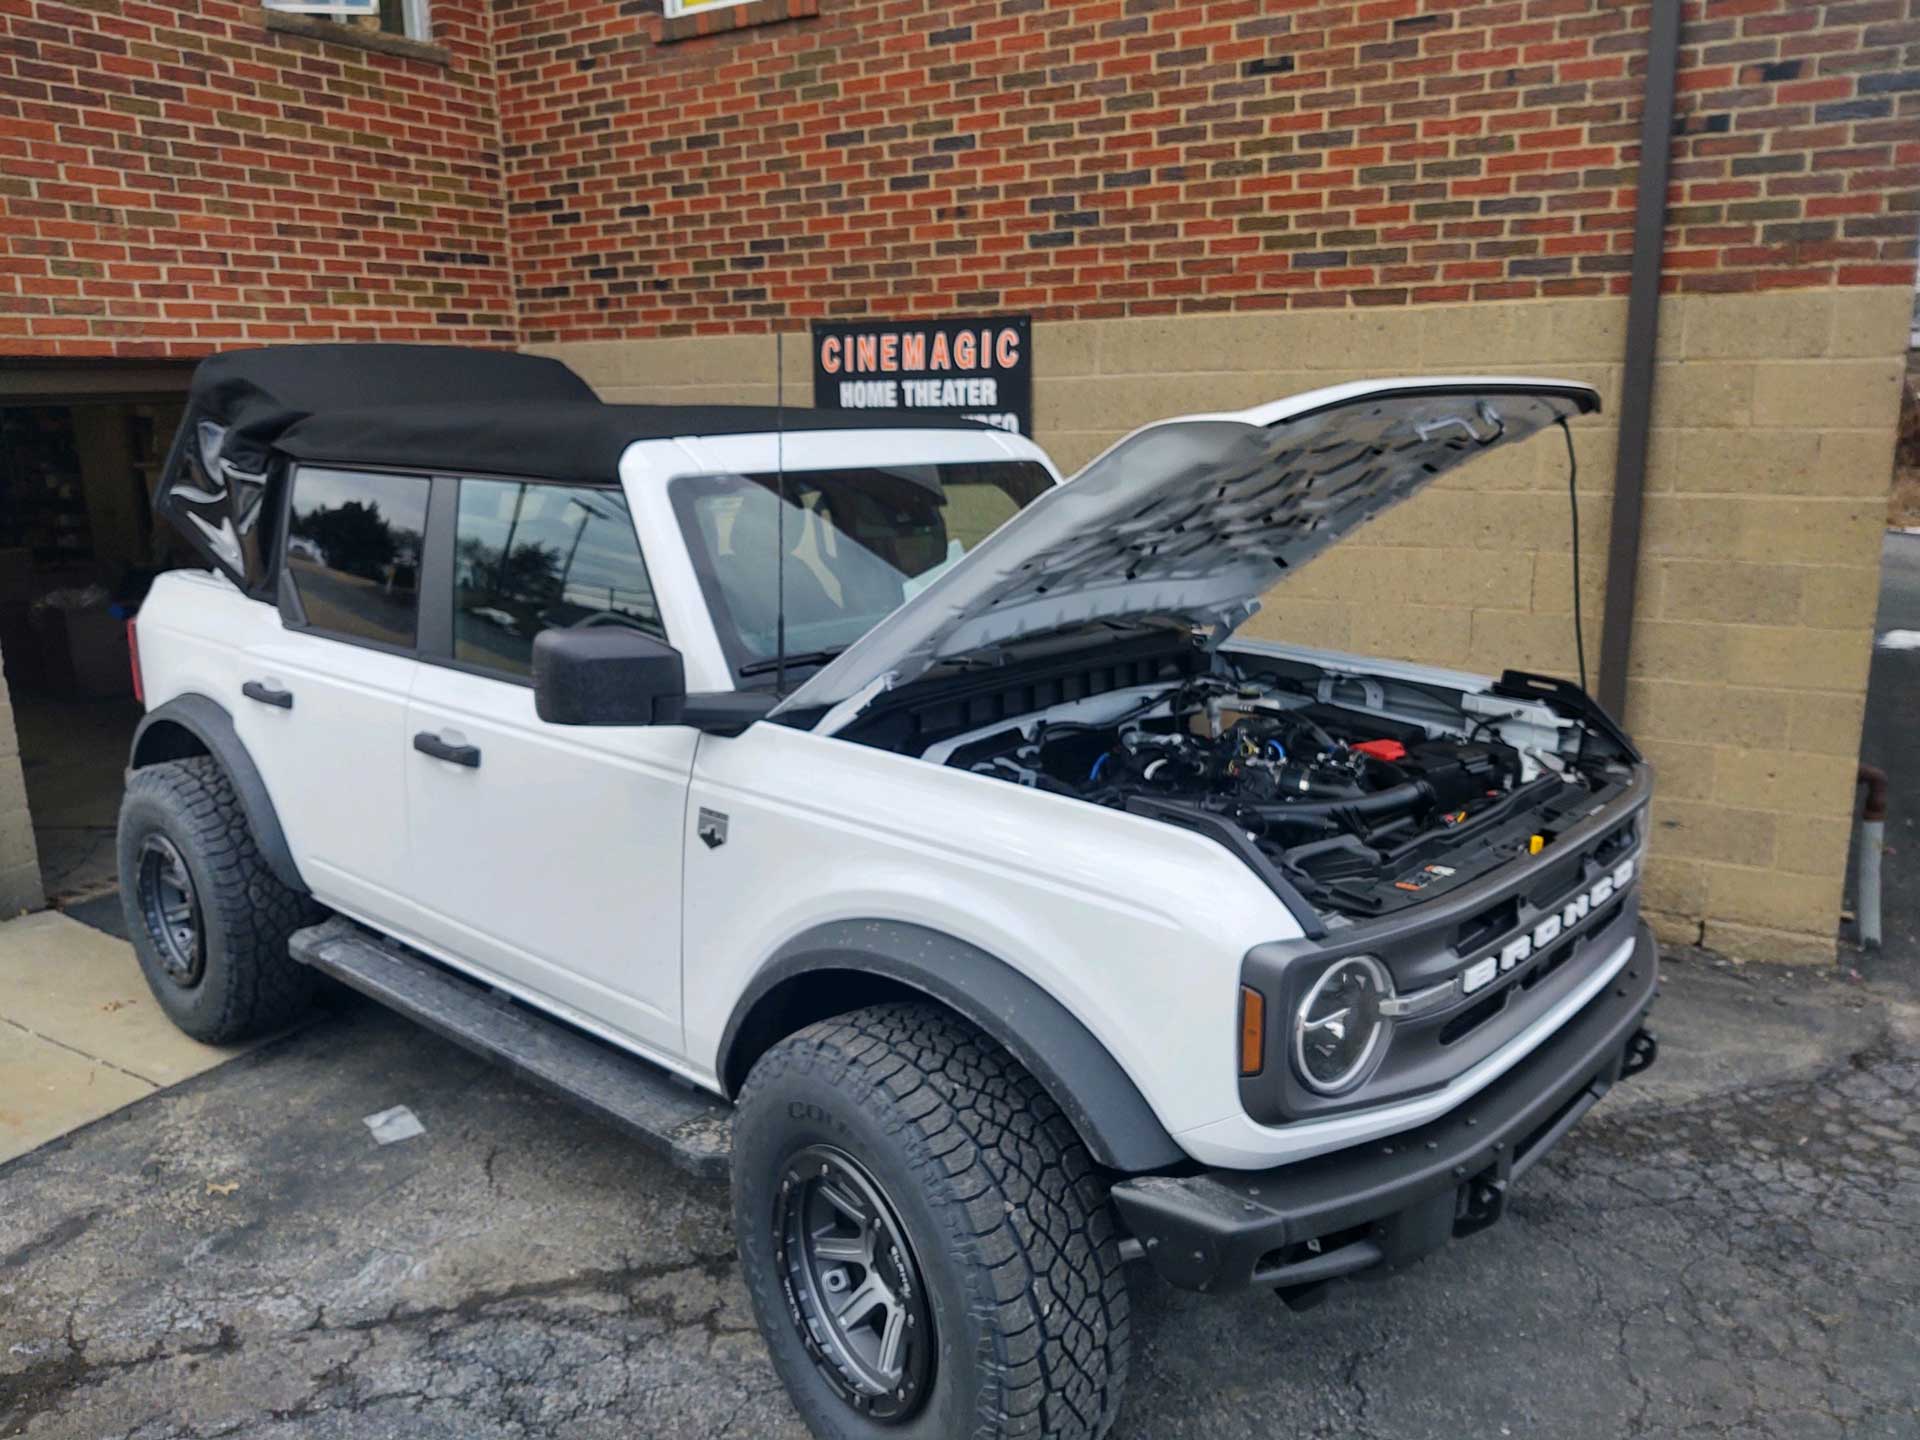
column 133, row 659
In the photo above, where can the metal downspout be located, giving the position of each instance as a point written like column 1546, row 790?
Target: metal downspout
column 1643, row 333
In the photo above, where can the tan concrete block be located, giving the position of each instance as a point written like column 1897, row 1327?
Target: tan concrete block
column 1302, row 622
column 1812, row 844
column 1675, row 886
column 1586, row 330
column 1774, row 325
column 1377, row 340
column 1349, row 571
column 1792, row 658
column 20, row 889
column 1703, row 394
column 1125, row 402
column 1768, row 462
column 1432, row 634
column 1836, row 597
column 1871, row 321
column 1804, row 532
column 1727, row 592
column 1553, row 579
column 16, row 839
column 1854, row 462
column 1472, row 339
column 1778, row 947
column 1788, row 781
column 1666, row 647
column 1697, row 830
column 1059, row 348
column 1725, row 714
column 1505, row 639
column 1684, row 771
column 1826, row 724
column 1676, row 525
column 1833, row 394
column 1070, row 450
column 1673, row 929
column 1774, row 899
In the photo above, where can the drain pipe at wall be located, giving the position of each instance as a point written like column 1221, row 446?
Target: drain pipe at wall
column 1873, row 843
column 1643, row 334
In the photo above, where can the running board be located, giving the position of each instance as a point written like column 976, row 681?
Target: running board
column 690, row 1127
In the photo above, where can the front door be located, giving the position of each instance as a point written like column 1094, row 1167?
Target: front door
column 546, row 855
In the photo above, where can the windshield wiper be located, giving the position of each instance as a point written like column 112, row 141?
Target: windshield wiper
column 800, row 657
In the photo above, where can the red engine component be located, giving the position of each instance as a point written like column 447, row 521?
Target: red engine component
column 1388, row 750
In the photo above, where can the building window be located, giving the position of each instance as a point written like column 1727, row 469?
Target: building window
column 405, row 18
column 677, row 8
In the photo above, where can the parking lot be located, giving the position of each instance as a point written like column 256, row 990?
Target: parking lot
column 1727, row 1247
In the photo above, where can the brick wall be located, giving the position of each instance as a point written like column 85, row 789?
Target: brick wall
column 1101, row 158
column 176, row 178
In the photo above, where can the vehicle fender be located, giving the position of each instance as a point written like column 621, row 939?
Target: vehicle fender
column 163, row 735
column 1077, row 1071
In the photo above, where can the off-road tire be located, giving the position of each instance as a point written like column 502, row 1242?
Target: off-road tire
column 249, row 984
column 1005, row 1209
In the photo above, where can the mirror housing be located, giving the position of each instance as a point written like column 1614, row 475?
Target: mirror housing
column 606, row 675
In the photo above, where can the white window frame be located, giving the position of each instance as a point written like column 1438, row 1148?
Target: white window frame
column 416, row 20
column 677, row 8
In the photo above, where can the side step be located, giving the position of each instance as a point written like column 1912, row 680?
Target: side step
column 690, row 1127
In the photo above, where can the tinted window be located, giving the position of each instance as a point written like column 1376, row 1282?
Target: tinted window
column 353, row 549
column 533, row 557
column 858, row 543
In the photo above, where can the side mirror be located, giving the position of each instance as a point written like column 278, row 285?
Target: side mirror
column 606, row 675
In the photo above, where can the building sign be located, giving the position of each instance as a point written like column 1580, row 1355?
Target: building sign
column 974, row 368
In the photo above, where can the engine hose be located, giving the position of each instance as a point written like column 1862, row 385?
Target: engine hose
column 1394, row 800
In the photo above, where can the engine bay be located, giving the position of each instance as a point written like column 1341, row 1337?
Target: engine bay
column 1366, row 795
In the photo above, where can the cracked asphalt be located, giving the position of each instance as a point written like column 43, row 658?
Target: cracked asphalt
column 1727, row 1247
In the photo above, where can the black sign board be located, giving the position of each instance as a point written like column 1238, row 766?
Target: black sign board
column 972, row 367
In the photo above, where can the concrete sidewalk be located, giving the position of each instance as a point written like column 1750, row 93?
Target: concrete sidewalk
column 80, row 1034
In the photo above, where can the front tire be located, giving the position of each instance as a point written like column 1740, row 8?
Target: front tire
column 897, row 1165
column 208, row 918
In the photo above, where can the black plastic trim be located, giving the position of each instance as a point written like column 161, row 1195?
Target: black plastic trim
column 1084, row 1080
column 209, row 723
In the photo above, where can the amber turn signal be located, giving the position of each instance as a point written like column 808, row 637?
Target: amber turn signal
column 1253, row 1030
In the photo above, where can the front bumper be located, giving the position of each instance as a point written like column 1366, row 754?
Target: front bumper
column 1380, row 1206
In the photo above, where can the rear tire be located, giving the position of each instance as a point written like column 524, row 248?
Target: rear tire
column 208, row 918
column 1001, row 1213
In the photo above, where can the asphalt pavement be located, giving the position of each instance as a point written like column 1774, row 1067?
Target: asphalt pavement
column 1729, row 1246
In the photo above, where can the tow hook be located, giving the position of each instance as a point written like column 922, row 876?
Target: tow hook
column 1642, row 1050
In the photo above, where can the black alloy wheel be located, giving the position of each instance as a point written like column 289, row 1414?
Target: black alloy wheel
column 171, row 911
column 853, row 1284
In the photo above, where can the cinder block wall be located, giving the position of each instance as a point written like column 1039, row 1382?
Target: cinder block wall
column 19, row 858
column 1772, row 434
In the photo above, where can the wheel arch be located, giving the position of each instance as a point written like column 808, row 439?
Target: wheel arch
column 844, row 965
column 190, row 725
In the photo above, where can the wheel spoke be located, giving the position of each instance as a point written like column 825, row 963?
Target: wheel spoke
column 844, row 1203
column 892, row 1336
column 862, row 1299
column 178, row 914
column 843, row 1249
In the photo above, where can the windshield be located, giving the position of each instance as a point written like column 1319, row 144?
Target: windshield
column 857, row 544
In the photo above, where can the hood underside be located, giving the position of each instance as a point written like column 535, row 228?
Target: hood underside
column 1197, row 517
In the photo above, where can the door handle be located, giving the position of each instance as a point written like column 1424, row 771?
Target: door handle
column 427, row 743
column 267, row 694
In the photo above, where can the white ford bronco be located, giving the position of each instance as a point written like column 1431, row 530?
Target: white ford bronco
column 854, row 808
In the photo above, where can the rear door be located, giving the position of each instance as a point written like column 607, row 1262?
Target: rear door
column 547, row 855
column 322, row 698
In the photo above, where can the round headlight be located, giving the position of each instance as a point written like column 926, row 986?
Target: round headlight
column 1338, row 1028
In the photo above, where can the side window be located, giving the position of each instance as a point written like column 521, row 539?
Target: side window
column 353, row 550
column 530, row 557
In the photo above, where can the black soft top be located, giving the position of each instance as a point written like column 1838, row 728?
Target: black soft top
column 424, row 407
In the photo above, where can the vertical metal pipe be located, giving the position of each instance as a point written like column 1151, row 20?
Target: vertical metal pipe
column 1643, row 333
column 1873, row 844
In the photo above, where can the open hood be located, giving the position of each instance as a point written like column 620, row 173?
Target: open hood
column 1195, row 517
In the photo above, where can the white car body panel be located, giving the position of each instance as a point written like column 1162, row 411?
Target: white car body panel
column 1136, row 927
column 565, row 870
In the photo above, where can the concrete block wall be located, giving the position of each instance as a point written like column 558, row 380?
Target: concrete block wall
column 1769, row 468
column 19, row 857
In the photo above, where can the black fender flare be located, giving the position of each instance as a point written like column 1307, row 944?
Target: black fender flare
column 1077, row 1071
column 208, row 722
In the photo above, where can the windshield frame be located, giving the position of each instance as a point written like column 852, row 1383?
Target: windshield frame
column 684, row 491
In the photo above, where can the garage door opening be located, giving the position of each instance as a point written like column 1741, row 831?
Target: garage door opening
column 81, row 448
